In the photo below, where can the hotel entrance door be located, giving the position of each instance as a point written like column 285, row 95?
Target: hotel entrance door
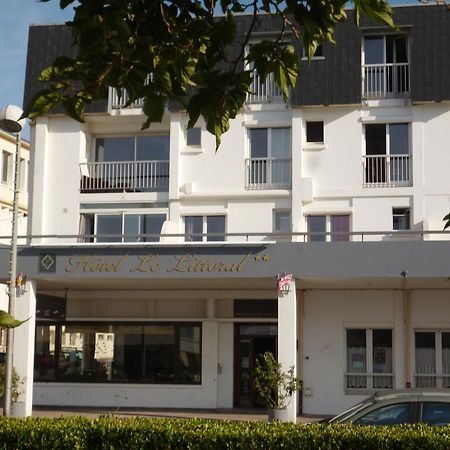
column 251, row 340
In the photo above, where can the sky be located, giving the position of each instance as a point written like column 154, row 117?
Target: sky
column 15, row 18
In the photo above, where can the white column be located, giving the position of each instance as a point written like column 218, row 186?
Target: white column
column 399, row 340
column 176, row 141
column 287, row 339
column 23, row 360
column 210, row 334
column 38, row 173
column 418, row 213
column 296, row 207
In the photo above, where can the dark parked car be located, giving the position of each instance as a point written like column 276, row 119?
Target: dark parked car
column 400, row 407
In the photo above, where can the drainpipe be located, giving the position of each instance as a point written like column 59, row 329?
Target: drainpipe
column 406, row 331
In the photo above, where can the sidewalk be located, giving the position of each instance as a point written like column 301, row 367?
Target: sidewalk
column 220, row 414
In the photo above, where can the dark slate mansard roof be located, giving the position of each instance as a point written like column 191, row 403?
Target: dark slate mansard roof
column 333, row 80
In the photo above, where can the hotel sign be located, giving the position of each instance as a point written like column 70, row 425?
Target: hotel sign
column 152, row 263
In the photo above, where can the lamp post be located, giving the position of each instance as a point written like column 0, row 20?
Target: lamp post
column 10, row 121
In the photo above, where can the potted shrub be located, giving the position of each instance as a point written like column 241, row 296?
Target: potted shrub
column 274, row 386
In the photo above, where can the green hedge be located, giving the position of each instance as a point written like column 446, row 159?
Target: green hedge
column 177, row 434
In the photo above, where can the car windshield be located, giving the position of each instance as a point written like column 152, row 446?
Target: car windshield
column 341, row 417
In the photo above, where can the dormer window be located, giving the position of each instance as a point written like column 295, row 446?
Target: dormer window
column 385, row 66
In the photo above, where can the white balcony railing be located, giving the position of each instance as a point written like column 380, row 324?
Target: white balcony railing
column 125, row 176
column 387, row 170
column 119, row 101
column 369, row 380
column 267, row 173
column 385, row 80
column 264, row 90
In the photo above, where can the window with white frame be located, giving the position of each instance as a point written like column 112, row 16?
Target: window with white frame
column 23, row 179
column 369, row 359
column 204, row 228
column 330, row 227
column 132, row 148
column 432, row 359
column 269, row 164
column 127, row 164
column 314, row 132
column 281, row 220
column 386, row 66
column 194, row 137
column 6, row 167
column 318, row 54
column 121, row 227
column 401, row 219
column 387, row 157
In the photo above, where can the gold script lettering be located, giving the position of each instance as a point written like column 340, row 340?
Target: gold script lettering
column 189, row 262
column 146, row 263
column 94, row 263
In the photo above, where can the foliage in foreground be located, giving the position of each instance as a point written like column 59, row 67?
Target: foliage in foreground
column 138, row 433
column 190, row 52
column 274, row 386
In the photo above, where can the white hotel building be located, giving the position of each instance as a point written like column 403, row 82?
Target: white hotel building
column 345, row 187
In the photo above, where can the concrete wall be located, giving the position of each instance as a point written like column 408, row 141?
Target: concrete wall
column 327, row 314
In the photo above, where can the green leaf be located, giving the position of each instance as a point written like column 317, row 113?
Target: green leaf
column 154, row 107
column 447, row 218
column 74, row 107
column 42, row 103
column 8, row 321
column 378, row 10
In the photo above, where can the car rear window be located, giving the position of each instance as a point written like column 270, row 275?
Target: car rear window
column 436, row 413
column 394, row 414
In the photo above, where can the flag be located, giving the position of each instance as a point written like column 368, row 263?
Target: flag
column 284, row 280
column 19, row 280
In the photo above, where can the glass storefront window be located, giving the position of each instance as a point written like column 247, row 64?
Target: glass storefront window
column 119, row 353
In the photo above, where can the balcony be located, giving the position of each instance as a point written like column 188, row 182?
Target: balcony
column 385, row 80
column 264, row 90
column 124, row 176
column 267, row 173
column 119, row 101
column 387, row 170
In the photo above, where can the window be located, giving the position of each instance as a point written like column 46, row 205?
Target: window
column 6, row 167
column 387, row 159
column 23, row 180
column 318, row 54
column 395, row 414
column 400, row 219
column 281, row 221
column 432, row 353
column 270, row 158
column 193, row 137
column 127, row 164
column 337, row 227
column 111, row 227
column 119, row 353
column 204, row 228
column 314, row 132
column 386, row 67
column 369, row 359
column 436, row 413
column 132, row 148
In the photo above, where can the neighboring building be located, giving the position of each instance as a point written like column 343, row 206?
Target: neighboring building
column 345, row 188
column 8, row 149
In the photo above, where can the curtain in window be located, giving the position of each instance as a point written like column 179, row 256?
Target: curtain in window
column 339, row 226
column 425, row 359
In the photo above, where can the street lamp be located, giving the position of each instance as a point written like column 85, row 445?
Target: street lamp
column 10, row 120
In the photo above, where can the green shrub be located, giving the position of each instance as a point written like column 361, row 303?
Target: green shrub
column 193, row 434
column 16, row 382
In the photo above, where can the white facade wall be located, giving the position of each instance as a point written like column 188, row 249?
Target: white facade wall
column 326, row 179
column 210, row 182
